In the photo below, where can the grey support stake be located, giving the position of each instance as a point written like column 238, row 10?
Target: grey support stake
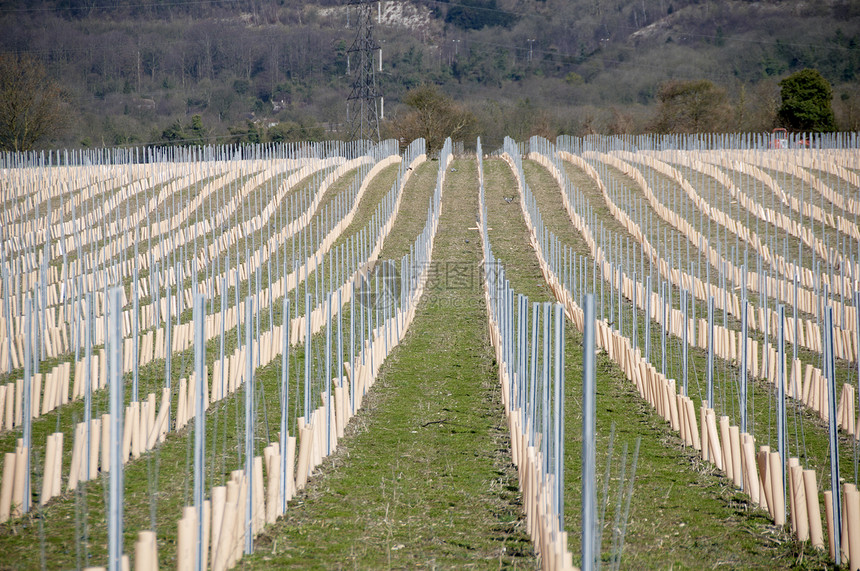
column 533, row 375
column 352, row 346
column 796, row 334
column 8, row 315
column 27, row 408
column 589, row 497
column 665, row 323
column 602, row 284
column 559, row 412
column 115, row 515
column 782, row 442
column 744, row 366
column 648, row 319
column 44, row 301
column 684, row 371
column 236, row 295
column 249, row 426
column 135, row 333
column 328, row 405
column 710, row 393
column 857, row 326
column 257, row 308
column 199, row 421
column 223, row 332
column 339, row 362
column 285, row 401
column 545, row 388
column 307, row 359
column 829, row 364
column 612, row 317
column 168, row 339
column 634, row 311
column 88, row 380
column 620, row 327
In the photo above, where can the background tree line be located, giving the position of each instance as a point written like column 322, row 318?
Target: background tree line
column 132, row 72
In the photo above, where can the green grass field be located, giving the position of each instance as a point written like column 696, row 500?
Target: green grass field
column 423, row 478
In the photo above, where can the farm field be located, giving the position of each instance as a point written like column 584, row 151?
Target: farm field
column 379, row 390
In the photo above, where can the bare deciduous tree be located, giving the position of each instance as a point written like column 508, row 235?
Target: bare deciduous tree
column 32, row 107
column 692, row 107
column 434, row 117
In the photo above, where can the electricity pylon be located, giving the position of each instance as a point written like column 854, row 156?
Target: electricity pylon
column 365, row 98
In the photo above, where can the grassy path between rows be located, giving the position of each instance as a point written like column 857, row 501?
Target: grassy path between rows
column 424, row 476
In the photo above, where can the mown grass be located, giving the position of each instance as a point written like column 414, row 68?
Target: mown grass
column 71, row 530
column 413, row 211
column 423, row 478
column 812, row 446
column 683, row 513
column 151, row 376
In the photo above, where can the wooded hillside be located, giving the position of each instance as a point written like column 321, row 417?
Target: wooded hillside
column 136, row 72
